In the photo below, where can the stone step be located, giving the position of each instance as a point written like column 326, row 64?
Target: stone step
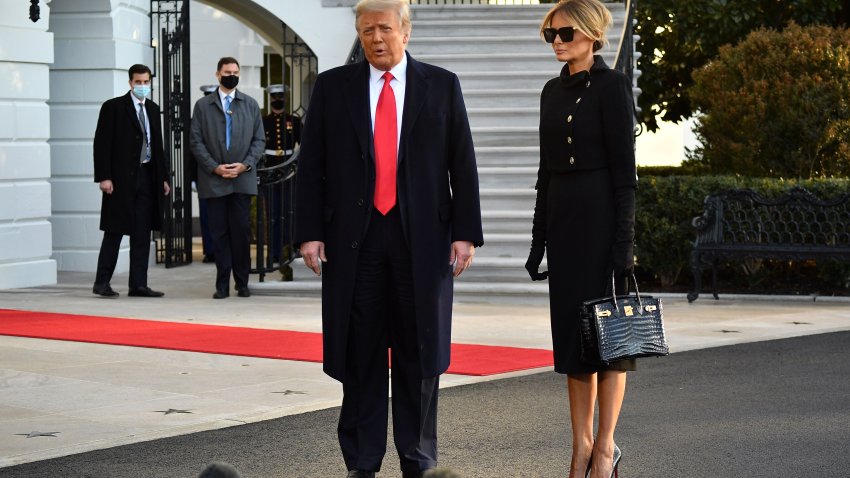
column 516, row 116
column 468, row 287
column 486, row 268
column 507, row 77
column 505, row 45
column 528, row 156
column 478, row 27
column 539, row 60
column 506, row 245
column 507, row 176
column 523, row 97
column 505, row 135
column 507, row 221
column 515, row 199
column 475, row 12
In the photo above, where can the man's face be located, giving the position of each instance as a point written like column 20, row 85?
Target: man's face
column 228, row 69
column 140, row 79
column 383, row 38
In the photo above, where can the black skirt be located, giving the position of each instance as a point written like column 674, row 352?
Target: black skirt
column 579, row 235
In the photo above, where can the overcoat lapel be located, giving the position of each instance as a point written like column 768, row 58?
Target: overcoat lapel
column 415, row 93
column 358, row 108
column 130, row 108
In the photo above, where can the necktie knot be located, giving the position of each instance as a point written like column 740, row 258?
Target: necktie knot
column 387, row 77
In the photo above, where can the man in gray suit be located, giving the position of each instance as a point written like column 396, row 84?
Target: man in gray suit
column 227, row 142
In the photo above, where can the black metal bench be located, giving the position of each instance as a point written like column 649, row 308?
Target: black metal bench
column 740, row 224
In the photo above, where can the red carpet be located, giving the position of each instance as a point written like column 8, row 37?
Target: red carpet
column 467, row 359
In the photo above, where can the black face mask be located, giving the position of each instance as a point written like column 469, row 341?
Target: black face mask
column 278, row 104
column 229, row 82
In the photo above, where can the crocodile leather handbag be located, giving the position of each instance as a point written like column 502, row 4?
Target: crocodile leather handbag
column 622, row 327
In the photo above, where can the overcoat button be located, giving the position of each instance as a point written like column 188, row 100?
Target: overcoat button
column 360, row 202
column 354, row 245
column 572, row 160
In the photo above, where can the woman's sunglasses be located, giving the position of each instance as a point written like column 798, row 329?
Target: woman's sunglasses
column 566, row 34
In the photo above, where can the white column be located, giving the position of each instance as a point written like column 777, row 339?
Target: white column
column 25, row 233
column 96, row 41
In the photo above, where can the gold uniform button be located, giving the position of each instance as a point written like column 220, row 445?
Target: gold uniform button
column 569, row 118
column 572, row 160
column 569, row 140
column 587, row 85
column 578, row 100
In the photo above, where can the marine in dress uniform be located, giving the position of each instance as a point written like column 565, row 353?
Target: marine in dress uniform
column 283, row 132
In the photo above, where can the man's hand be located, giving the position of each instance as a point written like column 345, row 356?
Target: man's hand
column 230, row 170
column 313, row 252
column 106, row 186
column 461, row 256
column 166, row 188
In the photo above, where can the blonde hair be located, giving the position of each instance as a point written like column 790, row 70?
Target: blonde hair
column 591, row 18
column 402, row 7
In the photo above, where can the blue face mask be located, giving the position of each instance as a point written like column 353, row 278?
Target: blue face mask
column 141, row 91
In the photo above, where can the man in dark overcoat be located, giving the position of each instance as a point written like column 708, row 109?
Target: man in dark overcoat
column 130, row 167
column 388, row 212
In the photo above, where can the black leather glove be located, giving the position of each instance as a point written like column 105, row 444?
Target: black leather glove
column 535, row 257
column 623, row 258
column 623, row 250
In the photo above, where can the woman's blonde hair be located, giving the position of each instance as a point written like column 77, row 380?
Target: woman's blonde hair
column 402, row 7
column 591, row 18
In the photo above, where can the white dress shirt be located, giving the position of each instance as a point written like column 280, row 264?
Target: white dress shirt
column 140, row 105
column 398, row 84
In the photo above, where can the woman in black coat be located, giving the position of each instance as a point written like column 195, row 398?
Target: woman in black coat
column 584, row 215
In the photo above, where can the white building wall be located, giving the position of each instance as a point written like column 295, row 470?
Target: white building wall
column 96, row 41
column 215, row 34
column 25, row 233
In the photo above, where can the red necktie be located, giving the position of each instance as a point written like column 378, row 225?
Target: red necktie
column 386, row 143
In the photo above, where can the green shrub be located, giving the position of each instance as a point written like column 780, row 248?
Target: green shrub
column 777, row 105
column 666, row 205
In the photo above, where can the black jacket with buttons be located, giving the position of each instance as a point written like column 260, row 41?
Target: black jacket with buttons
column 586, row 123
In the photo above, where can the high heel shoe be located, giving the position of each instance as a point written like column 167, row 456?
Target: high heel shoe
column 617, row 456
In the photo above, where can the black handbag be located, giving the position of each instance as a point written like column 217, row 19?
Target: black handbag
column 622, row 327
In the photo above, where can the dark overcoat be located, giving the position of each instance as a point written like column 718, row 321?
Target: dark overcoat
column 437, row 187
column 118, row 141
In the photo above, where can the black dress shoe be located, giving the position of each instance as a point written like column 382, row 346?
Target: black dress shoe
column 243, row 292
column 144, row 292
column 221, row 294
column 104, row 290
column 360, row 474
column 413, row 474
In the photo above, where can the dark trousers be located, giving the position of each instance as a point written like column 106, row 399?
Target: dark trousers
column 206, row 237
column 273, row 212
column 383, row 316
column 228, row 219
column 144, row 208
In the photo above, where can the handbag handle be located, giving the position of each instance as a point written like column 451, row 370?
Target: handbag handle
column 614, row 291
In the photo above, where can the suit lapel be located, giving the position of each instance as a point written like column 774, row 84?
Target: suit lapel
column 357, row 98
column 416, row 90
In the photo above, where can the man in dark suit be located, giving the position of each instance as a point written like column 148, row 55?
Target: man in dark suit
column 227, row 142
column 387, row 211
column 129, row 165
